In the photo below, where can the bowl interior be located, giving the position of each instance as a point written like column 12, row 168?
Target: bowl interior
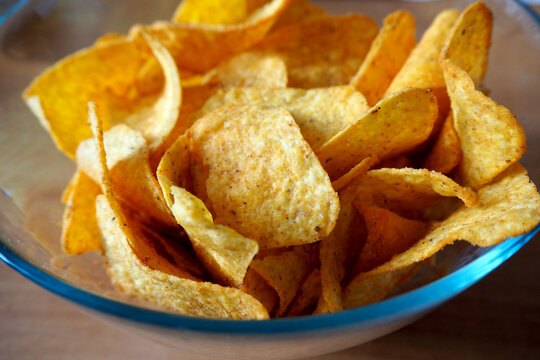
column 33, row 173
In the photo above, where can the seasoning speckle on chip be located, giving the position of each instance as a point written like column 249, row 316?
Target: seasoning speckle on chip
column 253, row 159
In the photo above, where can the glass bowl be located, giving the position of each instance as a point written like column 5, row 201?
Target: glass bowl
column 34, row 34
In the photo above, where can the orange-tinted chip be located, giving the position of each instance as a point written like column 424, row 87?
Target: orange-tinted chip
column 257, row 287
column 224, row 12
column 299, row 11
column 446, row 153
column 307, row 296
column 387, row 54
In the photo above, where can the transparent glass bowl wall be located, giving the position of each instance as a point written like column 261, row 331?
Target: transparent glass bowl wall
column 33, row 174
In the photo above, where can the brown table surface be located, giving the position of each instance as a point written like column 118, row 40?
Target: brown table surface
column 498, row 318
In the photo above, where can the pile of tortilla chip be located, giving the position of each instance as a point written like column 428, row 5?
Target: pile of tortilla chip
column 254, row 159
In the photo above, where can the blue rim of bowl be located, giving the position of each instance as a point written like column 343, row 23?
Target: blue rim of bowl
column 408, row 304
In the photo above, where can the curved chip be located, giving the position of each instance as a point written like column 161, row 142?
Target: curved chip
column 307, row 296
column 357, row 170
column 509, row 206
column 387, row 54
column 319, row 113
column 490, row 136
column 382, row 132
column 323, row 52
column 445, row 154
column 251, row 165
column 200, row 47
column 298, row 11
column 79, row 227
column 224, row 12
column 257, row 287
column 138, row 269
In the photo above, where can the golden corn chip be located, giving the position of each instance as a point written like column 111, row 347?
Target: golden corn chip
column 382, row 131
column 308, row 295
column 357, row 170
column 253, row 166
column 299, row 11
column 323, row 52
column 250, row 69
column 286, row 273
column 491, row 137
column 173, row 169
column 109, row 37
column 223, row 12
column 446, row 153
column 138, row 269
column 422, row 67
column 468, row 45
column 387, row 54
column 398, row 162
column 338, row 252
column 130, row 171
column 59, row 96
column 257, row 287
column 200, row 47
column 319, row 113
column 156, row 119
column 79, row 227
column 388, row 234
column 508, row 206
column 363, row 291
column 411, row 193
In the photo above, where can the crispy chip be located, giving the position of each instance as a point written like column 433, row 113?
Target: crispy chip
column 397, row 162
column 338, row 252
column 130, row 171
column 200, row 47
column 323, row 52
column 226, row 253
column 509, row 206
column 363, row 291
column 59, row 96
column 320, row 113
column 299, row 11
column 307, row 296
column 388, row 234
column 357, row 170
column 79, row 227
column 252, row 165
column 244, row 70
column 382, row 131
column 411, row 193
column 286, row 272
column 138, row 269
column 387, row 54
column 468, row 45
column 446, row 153
column 491, row 137
column 223, row 12
column 257, row 287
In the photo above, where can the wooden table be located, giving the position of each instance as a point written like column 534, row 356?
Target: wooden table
column 499, row 318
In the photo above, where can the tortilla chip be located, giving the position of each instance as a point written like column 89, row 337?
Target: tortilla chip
column 225, row 12
column 387, row 54
column 79, row 227
column 250, row 69
column 187, row 42
column 357, row 170
column 225, row 253
column 323, row 52
column 59, row 96
column 286, row 272
column 338, row 252
column 468, row 45
column 257, row 287
column 252, row 165
column 388, row 234
column 308, row 295
column 130, row 171
column 299, row 11
column 174, row 169
column 422, row 67
column 319, row 113
column 417, row 194
column 398, row 162
column 364, row 291
column 138, row 269
column 508, row 206
column 446, row 153
column 382, row 131
column 491, row 137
